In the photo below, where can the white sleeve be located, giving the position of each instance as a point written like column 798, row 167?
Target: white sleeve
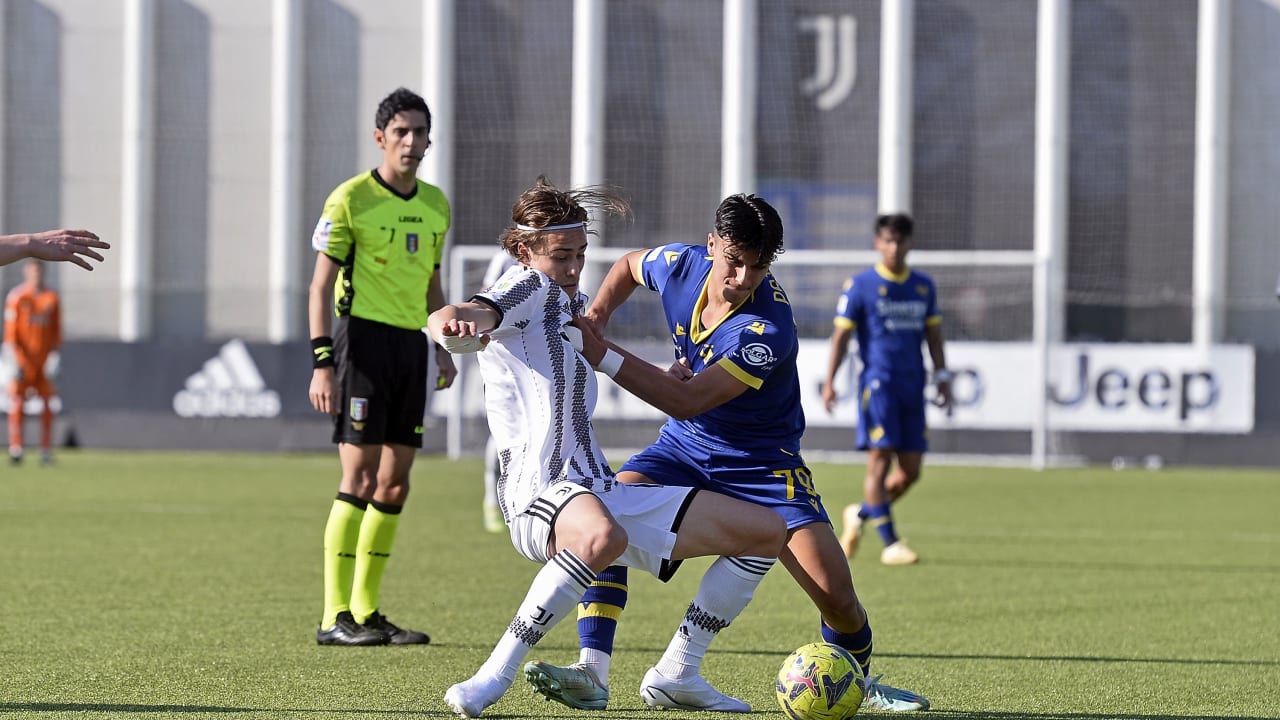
column 519, row 296
column 497, row 266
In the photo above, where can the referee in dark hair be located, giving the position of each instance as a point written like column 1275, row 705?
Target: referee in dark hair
column 379, row 243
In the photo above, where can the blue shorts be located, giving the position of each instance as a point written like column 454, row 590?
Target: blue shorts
column 775, row 479
column 891, row 415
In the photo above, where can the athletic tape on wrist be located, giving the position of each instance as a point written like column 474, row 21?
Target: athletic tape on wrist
column 611, row 363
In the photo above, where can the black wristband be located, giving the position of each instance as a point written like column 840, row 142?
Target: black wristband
column 322, row 352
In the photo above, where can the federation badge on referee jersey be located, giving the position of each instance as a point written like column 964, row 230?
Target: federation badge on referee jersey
column 411, row 242
column 359, row 409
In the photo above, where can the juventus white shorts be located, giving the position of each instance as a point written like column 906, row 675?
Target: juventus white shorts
column 650, row 514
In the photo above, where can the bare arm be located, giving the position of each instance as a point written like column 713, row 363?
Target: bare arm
column 320, row 297
column 56, row 245
column 933, row 337
column 463, row 320
column 681, row 399
column 320, row 324
column 618, row 285
column 435, row 293
column 444, row 361
column 839, row 349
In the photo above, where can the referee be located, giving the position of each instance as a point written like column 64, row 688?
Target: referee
column 378, row 246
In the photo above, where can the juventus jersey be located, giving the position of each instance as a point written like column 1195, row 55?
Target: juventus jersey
column 539, row 392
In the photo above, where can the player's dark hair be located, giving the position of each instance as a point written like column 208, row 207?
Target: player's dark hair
column 748, row 223
column 544, row 205
column 897, row 223
column 400, row 100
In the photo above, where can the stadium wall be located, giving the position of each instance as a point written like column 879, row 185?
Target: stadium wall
column 1132, row 98
column 253, row 396
column 1132, row 119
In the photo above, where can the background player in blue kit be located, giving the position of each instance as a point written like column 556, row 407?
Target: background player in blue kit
column 735, row 426
column 892, row 310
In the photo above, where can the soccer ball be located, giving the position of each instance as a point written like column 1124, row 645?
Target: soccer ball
column 820, row 681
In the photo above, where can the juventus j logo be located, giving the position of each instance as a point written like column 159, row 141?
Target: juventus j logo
column 542, row 617
column 835, row 65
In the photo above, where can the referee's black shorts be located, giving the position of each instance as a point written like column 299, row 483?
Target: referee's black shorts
column 382, row 383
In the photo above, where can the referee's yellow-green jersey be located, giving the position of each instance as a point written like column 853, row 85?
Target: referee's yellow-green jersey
column 387, row 246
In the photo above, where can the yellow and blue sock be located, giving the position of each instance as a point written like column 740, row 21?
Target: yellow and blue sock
column 857, row 643
column 598, row 614
column 882, row 519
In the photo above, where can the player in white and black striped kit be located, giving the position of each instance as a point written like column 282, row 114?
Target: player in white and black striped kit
column 555, row 487
column 499, row 264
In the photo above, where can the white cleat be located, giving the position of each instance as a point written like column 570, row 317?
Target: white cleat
column 691, row 693
column 575, row 686
column 852, row 529
column 470, row 697
column 878, row 696
column 898, row 554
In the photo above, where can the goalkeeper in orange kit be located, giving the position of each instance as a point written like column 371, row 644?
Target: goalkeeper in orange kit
column 32, row 336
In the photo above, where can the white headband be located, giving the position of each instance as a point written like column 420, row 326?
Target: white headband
column 566, row 226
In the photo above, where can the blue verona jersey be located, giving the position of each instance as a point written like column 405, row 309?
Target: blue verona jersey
column 888, row 314
column 756, row 343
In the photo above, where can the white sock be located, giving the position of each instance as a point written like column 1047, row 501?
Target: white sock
column 598, row 662
column 725, row 590
column 552, row 597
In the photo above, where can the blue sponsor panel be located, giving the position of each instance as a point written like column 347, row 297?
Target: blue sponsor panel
column 179, row 394
column 231, row 379
column 236, row 395
column 823, row 215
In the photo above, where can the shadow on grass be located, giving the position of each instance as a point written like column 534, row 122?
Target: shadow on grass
column 1104, row 566
column 934, row 714
column 113, row 708
column 550, row 648
column 120, row 707
column 1079, row 658
column 955, row 715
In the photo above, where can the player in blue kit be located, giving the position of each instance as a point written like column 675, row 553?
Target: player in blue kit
column 892, row 310
column 735, row 426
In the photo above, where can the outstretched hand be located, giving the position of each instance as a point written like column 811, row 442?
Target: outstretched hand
column 460, row 337
column 597, row 320
column 593, row 344
column 681, row 370
column 66, row 246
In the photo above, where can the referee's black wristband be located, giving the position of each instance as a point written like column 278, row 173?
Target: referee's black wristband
column 322, row 352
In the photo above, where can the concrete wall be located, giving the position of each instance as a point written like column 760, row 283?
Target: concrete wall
column 1253, row 266
column 62, row 112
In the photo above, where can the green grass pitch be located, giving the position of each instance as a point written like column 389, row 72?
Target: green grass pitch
column 167, row 585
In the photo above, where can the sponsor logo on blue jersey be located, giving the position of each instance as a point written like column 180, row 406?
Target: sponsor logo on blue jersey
column 757, row 354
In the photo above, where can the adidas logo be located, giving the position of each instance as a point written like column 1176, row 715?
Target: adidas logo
column 229, row 385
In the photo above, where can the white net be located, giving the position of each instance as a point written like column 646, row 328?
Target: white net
column 1133, row 78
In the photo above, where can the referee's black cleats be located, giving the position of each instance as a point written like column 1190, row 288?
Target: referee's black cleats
column 346, row 631
column 396, row 635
